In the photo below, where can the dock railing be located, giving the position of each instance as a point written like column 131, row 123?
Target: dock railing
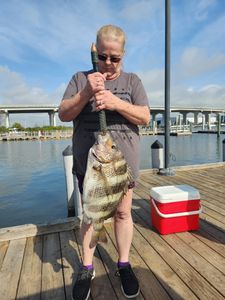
column 180, row 128
column 32, row 135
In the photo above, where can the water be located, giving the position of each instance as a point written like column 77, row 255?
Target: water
column 185, row 150
column 32, row 182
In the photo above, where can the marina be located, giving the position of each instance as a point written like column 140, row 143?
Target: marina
column 40, row 262
column 171, row 127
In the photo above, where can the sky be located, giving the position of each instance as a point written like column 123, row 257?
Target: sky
column 43, row 43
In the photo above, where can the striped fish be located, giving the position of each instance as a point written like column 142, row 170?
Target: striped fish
column 106, row 182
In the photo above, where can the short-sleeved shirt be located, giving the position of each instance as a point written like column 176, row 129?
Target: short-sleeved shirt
column 128, row 87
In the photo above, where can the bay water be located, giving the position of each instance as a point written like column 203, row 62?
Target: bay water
column 32, row 181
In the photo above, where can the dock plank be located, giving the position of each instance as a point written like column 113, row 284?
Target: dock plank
column 204, row 250
column 216, row 196
column 52, row 275
column 3, row 249
column 30, row 277
column 209, row 239
column 10, row 270
column 102, row 287
column 70, row 259
column 200, row 264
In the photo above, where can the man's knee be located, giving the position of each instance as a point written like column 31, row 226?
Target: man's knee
column 121, row 215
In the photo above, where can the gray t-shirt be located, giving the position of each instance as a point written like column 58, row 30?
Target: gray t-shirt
column 127, row 87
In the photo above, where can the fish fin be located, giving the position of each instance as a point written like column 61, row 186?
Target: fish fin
column 129, row 174
column 99, row 236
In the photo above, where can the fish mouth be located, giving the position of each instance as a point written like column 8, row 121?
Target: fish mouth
column 94, row 154
column 100, row 159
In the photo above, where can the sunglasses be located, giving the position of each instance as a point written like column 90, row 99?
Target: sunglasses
column 113, row 59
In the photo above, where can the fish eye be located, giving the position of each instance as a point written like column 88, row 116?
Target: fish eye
column 113, row 147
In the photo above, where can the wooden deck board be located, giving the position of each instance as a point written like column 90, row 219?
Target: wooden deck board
column 11, row 267
column 70, row 259
column 42, row 262
column 52, row 275
column 3, row 249
column 31, row 268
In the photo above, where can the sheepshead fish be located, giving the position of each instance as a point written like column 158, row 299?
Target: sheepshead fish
column 105, row 183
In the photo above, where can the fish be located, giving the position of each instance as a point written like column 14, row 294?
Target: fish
column 106, row 182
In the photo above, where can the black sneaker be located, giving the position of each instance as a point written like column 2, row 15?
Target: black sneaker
column 82, row 286
column 129, row 283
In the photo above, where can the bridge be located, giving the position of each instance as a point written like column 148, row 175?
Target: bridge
column 52, row 109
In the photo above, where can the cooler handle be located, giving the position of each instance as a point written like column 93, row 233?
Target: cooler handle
column 173, row 215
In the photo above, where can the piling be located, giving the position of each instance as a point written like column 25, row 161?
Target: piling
column 68, row 164
column 74, row 203
column 157, row 155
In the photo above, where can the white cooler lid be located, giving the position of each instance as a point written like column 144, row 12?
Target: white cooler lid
column 174, row 193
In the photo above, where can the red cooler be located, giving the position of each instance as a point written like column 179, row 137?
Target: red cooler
column 175, row 208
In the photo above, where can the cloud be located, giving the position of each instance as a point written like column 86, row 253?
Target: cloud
column 15, row 90
column 212, row 95
column 153, row 82
column 206, row 96
column 195, row 61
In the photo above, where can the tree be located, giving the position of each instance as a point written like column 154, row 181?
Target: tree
column 18, row 126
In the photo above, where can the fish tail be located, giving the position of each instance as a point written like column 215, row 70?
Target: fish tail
column 99, row 236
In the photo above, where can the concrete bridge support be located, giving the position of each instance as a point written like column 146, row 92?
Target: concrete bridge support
column 185, row 118
column 179, row 121
column 52, row 118
column 203, row 121
column 5, row 118
column 195, row 118
column 208, row 120
column 153, row 123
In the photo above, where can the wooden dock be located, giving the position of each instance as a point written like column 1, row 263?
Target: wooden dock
column 36, row 135
column 40, row 262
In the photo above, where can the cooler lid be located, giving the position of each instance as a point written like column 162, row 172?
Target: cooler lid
column 174, row 193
